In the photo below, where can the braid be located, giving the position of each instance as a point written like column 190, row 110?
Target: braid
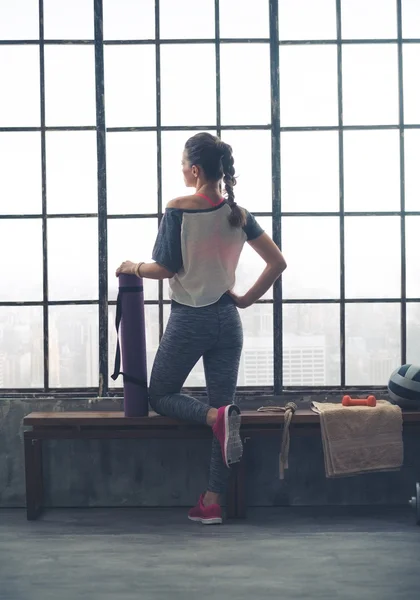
column 237, row 215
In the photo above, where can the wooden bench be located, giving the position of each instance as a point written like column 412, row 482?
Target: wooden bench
column 113, row 425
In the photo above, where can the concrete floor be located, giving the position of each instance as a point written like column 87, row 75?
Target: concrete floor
column 283, row 554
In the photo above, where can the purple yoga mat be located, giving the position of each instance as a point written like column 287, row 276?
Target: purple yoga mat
column 131, row 334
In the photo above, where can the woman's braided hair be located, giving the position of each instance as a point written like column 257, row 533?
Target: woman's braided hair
column 216, row 159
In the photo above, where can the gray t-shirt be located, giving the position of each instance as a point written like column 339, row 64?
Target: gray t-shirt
column 203, row 250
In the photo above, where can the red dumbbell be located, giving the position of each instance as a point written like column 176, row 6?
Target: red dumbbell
column 369, row 401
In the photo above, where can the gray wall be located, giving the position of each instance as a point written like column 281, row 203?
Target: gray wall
column 173, row 472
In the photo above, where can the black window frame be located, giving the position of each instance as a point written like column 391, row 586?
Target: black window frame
column 276, row 213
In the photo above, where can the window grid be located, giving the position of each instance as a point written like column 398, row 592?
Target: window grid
column 277, row 213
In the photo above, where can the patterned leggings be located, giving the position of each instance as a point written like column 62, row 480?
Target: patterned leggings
column 214, row 333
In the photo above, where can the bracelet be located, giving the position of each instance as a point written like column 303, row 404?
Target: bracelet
column 137, row 269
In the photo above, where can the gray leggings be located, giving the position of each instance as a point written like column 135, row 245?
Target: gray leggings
column 215, row 333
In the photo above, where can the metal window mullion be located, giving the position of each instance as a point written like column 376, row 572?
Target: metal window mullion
column 402, row 187
column 71, row 128
column 414, row 300
column 276, row 191
column 217, row 51
column 360, row 300
column 13, row 129
column 192, row 127
column 316, row 214
column 102, row 199
column 159, row 149
column 211, row 127
column 248, row 391
column 45, row 310
column 341, row 198
column 199, row 41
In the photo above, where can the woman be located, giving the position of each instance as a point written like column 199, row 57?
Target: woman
column 198, row 247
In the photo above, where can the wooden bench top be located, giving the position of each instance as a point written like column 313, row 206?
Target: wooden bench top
column 117, row 419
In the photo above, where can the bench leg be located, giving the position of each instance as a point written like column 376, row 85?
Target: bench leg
column 241, row 488
column 231, row 495
column 236, row 497
column 33, row 476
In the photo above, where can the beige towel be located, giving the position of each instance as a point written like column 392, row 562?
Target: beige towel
column 360, row 439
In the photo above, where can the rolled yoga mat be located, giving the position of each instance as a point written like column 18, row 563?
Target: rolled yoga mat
column 131, row 333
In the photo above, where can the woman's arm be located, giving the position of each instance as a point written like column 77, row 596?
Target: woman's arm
column 274, row 259
column 146, row 270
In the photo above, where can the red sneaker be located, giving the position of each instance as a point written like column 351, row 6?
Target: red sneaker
column 226, row 430
column 207, row 515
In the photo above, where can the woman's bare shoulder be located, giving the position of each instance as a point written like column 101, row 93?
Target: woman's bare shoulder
column 185, row 202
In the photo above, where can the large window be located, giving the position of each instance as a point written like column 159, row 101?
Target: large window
column 320, row 100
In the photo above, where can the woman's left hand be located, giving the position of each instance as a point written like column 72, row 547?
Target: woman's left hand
column 127, row 267
column 240, row 301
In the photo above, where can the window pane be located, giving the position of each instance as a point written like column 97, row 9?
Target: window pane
column 130, row 239
column 411, row 18
column 376, row 19
column 151, row 314
column 72, row 180
column 373, row 257
column 245, row 84
column 173, row 143
column 21, row 264
column 128, row 20
column 313, row 267
column 185, row 20
column 21, row 347
column 371, row 356
column 308, row 86
column 311, row 344
column 20, row 106
column 251, row 265
column 370, row 85
column 411, row 59
column 73, row 259
column 131, row 172
column 307, row 20
column 412, row 171
column 309, row 171
column 20, row 181
column 68, row 20
column 243, row 19
column 70, row 85
column 371, row 170
column 256, row 367
column 252, row 154
column 196, row 378
column 194, row 108
column 413, row 333
column 130, row 86
column 19, row 20
column 74, row 352
column 412, row 225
